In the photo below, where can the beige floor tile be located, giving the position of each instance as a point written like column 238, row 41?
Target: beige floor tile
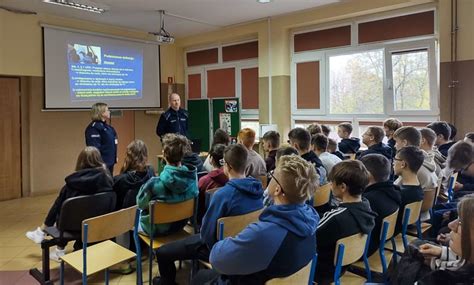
column 4, row 261
column 19, row 264
column 10, row 252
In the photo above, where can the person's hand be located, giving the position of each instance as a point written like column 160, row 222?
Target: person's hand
column 443, row 238
column 431, row 250
column 458, row 186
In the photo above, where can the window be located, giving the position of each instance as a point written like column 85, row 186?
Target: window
column 254, row 125
column 356, row 83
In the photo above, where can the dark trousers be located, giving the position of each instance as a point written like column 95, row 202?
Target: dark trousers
column 189, row 248
column 206, row 276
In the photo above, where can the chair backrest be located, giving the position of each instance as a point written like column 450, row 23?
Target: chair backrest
column 130, row 198
column 75, row 210
column 264, row 180
column 109, row 225
column 354, row 248
column 415, row 209
column 451, row 183
column 438, row 190
column 392, row 222
column 162, row 212
column 322, row 195
column 302, row 276
column 428, row 199
column 231, row 226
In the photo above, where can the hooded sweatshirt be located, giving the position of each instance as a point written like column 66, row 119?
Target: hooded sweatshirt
column 445, row 147
column 350, row 145
column 379, row 148
column 130, row 181
column 82, row 182
column 346, row 220
column 255, row 165
column 384, row 200
column 174, row 185
column 426, row 174
column 278, row 245
column 239, row 196
column 193, row 159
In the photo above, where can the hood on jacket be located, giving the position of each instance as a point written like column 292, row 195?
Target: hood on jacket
column 134, row 179
column 362, row 214
column 179, row 179
column 385, row 188
column 300, row 219
column 350, row 145
column 248, row 185
column 219, row 176
column 90, row 181
column 382, row 149
column 429, row 162
column 313, row 158
column 193, row 159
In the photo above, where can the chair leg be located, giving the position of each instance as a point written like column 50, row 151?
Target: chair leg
column 106, row 276
column 418, row 228
column 61, row 273
column 150, row 264
column 394, row 255
column 139, row 268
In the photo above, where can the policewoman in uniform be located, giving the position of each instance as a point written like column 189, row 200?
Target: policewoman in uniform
column 174, row 120
column 102, row 136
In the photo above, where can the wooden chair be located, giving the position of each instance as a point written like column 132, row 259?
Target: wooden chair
column 348, row 251
column 322, row 195
column 161, row 213
column 410, row 216
column 107, row 253
column 68, row 228
column 304, row 276
column 231, row 226
column 451, row 183
column 429, row 197
column 264, row 180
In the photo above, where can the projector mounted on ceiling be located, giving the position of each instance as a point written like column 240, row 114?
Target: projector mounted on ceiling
column 162, row 36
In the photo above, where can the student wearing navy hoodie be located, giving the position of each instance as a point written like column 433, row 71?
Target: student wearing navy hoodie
column 241, row 195
column 348, row 178
column 384, row 198
column 281, row 242
column 347, row 144
column 372, row 138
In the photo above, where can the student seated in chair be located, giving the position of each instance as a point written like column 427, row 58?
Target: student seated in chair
column 281, row 242
column 271, row 143
column 241, row 195
column 220, row 137
column 134, row 173
column 319, row 142
column 390, row 125
column 348, row 144
column 443, row 134
column 332, row 149
column 176, row 183
column 428, row 138
column 372, row 138
column 382, row 195
column 406, row 164
column 349, row 179
column 90, row 177
column 255, row 163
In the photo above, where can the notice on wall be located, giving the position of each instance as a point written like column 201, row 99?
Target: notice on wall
column 225, row 122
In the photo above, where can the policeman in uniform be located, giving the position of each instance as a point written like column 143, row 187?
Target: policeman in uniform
column 101, row 135
column 174, row 120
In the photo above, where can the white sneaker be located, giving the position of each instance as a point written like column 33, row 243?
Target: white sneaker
column 37, row 235
column 56, row 254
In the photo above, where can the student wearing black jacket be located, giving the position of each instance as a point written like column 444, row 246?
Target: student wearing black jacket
column 372, row 138
column 347, row 144
column 134, row 173
column 348, row 178
column 90, row 177
column 384, row 198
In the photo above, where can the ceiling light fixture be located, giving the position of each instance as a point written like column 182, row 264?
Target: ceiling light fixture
column 75, row 5
column 264, row 1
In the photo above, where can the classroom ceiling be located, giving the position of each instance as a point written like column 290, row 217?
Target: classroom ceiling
column 142, row 15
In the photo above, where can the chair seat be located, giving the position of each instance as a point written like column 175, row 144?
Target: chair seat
column 351, row 279
column 399, row 243
column 374, row 261
column 160, row 241
column 99, row 257
column 54, row 232
column 424, row 227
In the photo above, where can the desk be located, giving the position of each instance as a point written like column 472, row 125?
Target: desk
column 161, row 160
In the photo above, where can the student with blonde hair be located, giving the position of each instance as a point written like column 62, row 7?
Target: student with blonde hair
column 255, row 164
column 90, row 177
column 103, row 136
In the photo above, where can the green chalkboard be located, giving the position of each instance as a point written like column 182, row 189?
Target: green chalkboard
column 200, row 122
column 225, row 110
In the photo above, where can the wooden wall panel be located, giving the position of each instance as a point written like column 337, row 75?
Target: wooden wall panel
column 194, row 86
column 221, row 83
column 201, row 57
column 250, row 88
column 335, row 37
column 240, row 51
column 307, row 85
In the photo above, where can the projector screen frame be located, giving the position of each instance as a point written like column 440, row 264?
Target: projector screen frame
column 45, row 109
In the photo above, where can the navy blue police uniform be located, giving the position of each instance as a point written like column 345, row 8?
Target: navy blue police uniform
column 103, row 136
column 173, row 121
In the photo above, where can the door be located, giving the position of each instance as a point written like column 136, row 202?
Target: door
column 124, row 124
column 10, row 142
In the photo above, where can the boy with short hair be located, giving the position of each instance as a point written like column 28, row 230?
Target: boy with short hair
column 349, row 178
column 271, row 143
column 443, row 133
column 428, row 137
column 255, row 163
column 241, row 195
column 332, row 148
column 348, row 144
column 314, row 129
column 319, row 142
column 406, row 165
column 281, row 242
column 382, row 195
column 410, row 136
column 390, row 125
column 372, row 138
column 326, row 130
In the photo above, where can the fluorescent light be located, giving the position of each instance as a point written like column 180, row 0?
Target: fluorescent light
column 75, row 5
column 264, row 1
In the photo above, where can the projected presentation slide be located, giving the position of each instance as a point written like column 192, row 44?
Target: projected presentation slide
column 102, row 72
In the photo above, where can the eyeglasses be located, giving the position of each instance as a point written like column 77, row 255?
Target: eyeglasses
column 274, row 178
